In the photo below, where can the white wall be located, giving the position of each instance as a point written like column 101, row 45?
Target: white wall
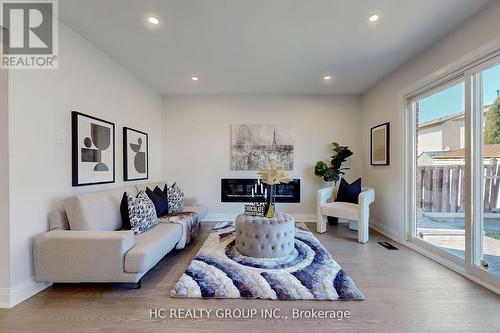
column 380, row 104
column 453, row 131
column 430, row 139
column 448, row 135
column 4, row 183
column 197, row 141
column 40, row 102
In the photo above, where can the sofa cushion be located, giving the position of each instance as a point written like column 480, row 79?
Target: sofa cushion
column 58, row 220
column 98, row 211
column 202, row 211
column 151, row 246
column 141, row 212
column 344, row 210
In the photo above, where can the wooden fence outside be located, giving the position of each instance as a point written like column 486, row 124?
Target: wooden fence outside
column 441, row 188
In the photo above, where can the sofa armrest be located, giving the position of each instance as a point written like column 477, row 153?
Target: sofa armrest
column 81, row 256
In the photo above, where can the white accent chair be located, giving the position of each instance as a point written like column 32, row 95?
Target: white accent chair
column 356, row 214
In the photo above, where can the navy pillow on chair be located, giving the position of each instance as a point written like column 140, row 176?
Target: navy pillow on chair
column 159, row 201
column 349, row 192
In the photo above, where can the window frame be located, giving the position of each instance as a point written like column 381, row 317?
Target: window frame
column 412, row 237
column 474, row 150
column 477, row 61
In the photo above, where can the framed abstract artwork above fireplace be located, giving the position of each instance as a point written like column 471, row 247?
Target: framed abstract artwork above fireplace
column 253, row 146
column 240, row 190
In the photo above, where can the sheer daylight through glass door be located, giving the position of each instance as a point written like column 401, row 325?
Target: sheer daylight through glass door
column 440, row 168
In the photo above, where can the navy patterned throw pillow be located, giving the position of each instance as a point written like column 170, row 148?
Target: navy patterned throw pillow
column 142, row 213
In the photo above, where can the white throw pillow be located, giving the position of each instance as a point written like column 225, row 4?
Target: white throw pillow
column 142, row 213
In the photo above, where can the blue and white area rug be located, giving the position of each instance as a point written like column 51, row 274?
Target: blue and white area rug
column 308, row 273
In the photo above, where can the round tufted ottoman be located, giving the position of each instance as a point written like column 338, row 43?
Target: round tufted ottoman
column 263, row 237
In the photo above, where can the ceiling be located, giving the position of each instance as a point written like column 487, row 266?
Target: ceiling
column 264, row 46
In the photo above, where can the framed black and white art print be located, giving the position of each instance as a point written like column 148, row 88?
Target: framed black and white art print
column 379, row 144
column 135, row 154
column 93, row 150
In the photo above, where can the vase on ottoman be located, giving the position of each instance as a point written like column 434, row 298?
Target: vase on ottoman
column 263, row 237
column 271, row 176
column 270, row 208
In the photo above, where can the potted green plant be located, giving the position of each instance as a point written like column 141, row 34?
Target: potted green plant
column 335, row 171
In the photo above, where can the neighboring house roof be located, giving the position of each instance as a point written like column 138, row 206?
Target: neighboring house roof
column 432, row 154
column 489, row 151
column 439, row 121
column 455, row 116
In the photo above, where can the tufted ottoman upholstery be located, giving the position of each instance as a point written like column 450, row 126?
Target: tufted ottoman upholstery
column 263, row 237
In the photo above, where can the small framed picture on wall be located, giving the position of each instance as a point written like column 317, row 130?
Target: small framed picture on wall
column 380, row 144
column 135, row 155
column 93, row 150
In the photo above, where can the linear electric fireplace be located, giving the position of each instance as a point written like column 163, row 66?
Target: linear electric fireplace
column 240, row 190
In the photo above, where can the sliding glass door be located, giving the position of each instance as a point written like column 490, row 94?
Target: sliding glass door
column 440, row 167
column 484, row 82
column 453, row 176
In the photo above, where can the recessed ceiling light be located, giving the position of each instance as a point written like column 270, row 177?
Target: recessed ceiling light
column 195, row 78
column 374, row 18
column 327, row 77
column 153, row 20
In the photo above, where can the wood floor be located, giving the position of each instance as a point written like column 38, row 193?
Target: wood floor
column 405, row 292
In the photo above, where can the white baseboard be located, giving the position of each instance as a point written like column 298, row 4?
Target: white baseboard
column 221, row 217
column 4, row 298
column 385, row 230
column 10, row 297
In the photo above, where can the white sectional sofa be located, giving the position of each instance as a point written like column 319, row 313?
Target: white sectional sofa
column 86, row 244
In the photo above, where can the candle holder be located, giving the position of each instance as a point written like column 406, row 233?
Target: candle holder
column 259, row 195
